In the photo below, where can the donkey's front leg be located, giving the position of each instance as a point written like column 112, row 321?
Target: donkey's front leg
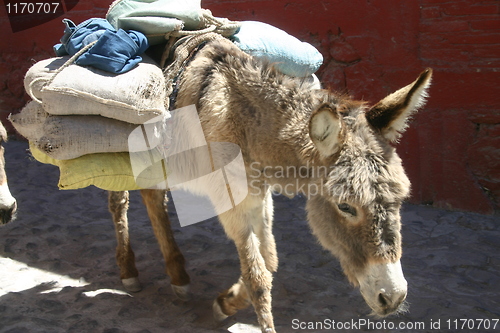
column 237, row 298
column 243, row 224
column 258, row 280
column 264, row 231
column 125, row 258
column 155, row 202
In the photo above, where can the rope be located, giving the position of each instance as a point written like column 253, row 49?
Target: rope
column 184, row 49
column 182, row 44
column 59, row 70
column 209, row 23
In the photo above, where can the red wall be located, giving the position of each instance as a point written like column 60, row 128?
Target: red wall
column 371, row 48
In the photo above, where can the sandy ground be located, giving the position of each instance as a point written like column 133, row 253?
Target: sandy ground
column 58, row 272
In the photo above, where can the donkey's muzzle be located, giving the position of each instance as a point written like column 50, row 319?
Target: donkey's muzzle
column 391, row 302
column 8, row 214
column 384, row 288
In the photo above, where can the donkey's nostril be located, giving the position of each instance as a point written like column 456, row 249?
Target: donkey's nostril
column 390, row 302
column 8, row 214
column 383, row 300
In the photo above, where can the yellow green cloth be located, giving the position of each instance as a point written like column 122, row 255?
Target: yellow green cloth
column 108, row 171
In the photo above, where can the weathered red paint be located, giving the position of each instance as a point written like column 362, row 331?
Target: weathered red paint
column 371, row 48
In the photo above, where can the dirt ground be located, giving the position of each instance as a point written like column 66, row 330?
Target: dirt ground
column 58, row 271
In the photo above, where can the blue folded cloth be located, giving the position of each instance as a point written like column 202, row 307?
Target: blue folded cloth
column 116, row 51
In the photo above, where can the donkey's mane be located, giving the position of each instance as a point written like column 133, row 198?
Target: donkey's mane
column 222, row 80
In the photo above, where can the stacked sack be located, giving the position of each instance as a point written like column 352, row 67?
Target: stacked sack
column 80, row 117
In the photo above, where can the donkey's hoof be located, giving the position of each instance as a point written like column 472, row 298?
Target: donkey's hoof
column 182, row 292
column 132, row 284
column 219, row 316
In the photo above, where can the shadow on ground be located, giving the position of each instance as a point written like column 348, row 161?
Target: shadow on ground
column 58, row 271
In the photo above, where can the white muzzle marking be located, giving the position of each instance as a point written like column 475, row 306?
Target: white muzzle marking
column 6, row 199
column 384, row 287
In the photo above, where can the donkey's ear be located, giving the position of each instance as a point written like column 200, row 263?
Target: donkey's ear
column 326, row 130
column 390, row 115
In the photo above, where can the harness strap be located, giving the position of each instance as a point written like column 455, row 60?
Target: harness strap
column 181, row 45
column 183, row 51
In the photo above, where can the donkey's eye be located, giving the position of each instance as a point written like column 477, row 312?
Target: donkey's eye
column 347, row 209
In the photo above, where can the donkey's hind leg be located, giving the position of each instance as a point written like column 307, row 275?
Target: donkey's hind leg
column 125, row 258
column 156, row 204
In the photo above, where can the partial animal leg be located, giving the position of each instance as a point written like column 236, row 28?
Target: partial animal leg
column 125, row 258
column 240, row 224
column 230, row 301
column 266, row 237
column 236, row 298
column 156, row 205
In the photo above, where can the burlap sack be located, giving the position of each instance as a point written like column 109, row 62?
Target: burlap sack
column 68, row 137
column 108, row 171
column 155, row 18
column 134, row 97
column 288, row 54
column 29, row 122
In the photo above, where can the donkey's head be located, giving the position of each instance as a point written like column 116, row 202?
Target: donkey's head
column 357, row 216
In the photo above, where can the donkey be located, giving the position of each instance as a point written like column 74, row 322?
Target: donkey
column 8, row 205
column 349, row 171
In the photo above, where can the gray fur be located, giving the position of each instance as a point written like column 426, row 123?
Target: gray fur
column 355, row 213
